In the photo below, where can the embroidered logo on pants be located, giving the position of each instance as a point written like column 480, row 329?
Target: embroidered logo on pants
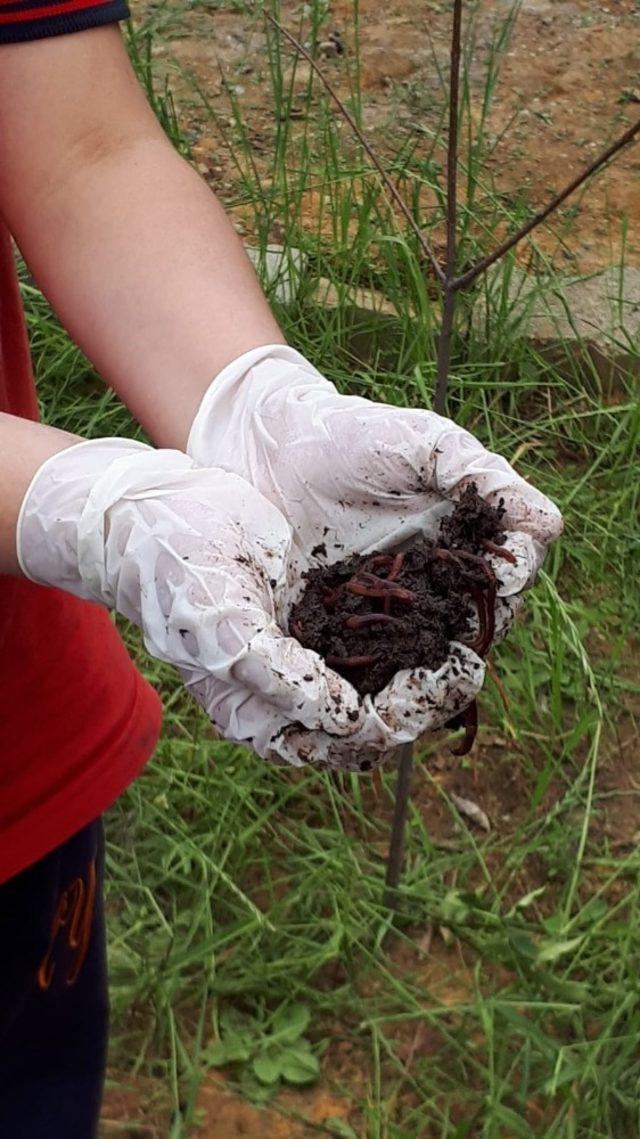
column 70, row 931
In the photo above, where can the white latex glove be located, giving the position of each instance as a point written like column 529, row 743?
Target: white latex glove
column 353, row 476
column 200, row 561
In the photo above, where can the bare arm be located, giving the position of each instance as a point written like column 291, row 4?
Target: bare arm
column 24, row 447
column 129, row 244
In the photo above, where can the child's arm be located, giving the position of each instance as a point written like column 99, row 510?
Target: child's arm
column 24, row 447
column 195, row 556
column 129, row 244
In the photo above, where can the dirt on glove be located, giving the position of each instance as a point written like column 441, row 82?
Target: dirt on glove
column 371, row 616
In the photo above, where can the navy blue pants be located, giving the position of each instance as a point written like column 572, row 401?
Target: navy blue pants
column 53, row 994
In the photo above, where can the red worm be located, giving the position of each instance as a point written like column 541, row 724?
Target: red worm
column 446, row 556
column 485, row 602
column 443, row 555
column 490, row 606
column 295, row 628
column 378, row 561
column 499, row 551
column 479, row 562
column 330, row 599
column 468, row 720
column 361, row 620
column 396, row 568
column 369, row 585
column 486, row 620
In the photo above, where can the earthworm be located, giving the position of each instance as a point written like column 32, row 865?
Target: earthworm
column 444, row 555
column 469, row 721
column 369, row 585
column 486, row 619
column 396, row 568
column 378, row 561
column 330, row 599
column 295, row 628
column 499, row 551
column 464, row 556
column 485, row 602
column 361, row 620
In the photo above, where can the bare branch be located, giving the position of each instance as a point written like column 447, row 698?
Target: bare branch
column 491, row 258
column 401, row 807
column 346, row 114
column 405, row 764
column 452, row 142
column 448, row 308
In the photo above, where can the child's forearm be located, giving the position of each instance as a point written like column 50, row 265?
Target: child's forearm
column 158, row 291
column 130, row 245
column 24, row 447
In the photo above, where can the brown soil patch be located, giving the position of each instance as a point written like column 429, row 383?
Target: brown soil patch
column 139, row 1109
column 568, row 86
column 228, row 1117
column 134, row 1108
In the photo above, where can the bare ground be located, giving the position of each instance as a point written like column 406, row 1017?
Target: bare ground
column 568, row 87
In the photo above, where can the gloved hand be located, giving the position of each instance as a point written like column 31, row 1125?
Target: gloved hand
column 200, row 561
column 353, row 476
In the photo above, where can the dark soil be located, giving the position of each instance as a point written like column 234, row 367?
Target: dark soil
column 371, row 616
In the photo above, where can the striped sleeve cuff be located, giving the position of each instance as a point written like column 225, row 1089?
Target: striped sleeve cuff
column 24, row 20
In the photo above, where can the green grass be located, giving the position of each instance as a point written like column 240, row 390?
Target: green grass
column 510, row 978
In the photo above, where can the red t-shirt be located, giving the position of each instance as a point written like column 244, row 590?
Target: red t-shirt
column 77, row 721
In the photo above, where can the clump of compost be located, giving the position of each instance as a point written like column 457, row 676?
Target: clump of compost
column 371, row 616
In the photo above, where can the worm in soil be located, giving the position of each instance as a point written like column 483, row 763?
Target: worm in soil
column 499, row 551
column 361, row 620
column 370, row 585
column 469, row 721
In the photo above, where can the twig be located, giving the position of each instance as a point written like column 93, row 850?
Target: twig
column 449, row 296
column 542, row 215
column 405, row 765
column 346, row 114
column 396, row 847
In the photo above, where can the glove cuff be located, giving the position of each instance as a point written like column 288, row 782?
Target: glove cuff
column 239, row 392
column 63, row 521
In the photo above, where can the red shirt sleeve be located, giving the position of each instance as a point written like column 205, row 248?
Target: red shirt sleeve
column 23, row 20
column 77, row 721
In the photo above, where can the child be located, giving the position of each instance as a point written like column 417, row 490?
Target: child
column 145, row 271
